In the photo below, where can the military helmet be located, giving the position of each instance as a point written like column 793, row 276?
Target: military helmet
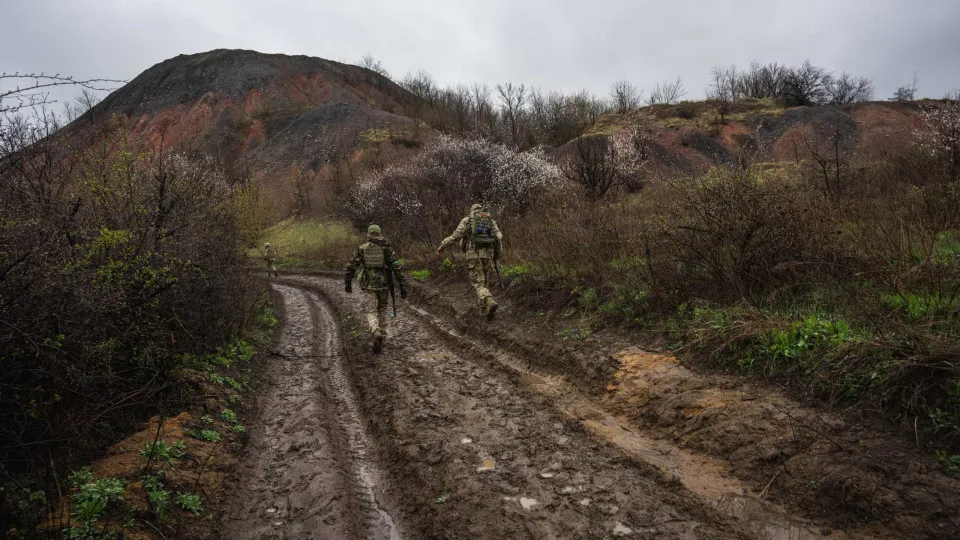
column 266, row 245
column 476, row 207
column 374, row 230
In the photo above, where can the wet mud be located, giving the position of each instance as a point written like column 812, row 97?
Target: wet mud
column 306, row 474
column 445, row 435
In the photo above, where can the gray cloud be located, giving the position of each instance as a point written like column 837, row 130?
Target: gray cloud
column 561, row 44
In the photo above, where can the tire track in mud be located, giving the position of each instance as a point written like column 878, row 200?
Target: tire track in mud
column 483, row 457
column 306, row 474
column 708, row 479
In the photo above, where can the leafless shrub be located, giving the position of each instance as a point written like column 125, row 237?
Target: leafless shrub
column 667, row 92
column 374, row 65
column 626, row 97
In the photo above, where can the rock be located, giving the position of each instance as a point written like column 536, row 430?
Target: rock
column 622, row 530
column 527, row 503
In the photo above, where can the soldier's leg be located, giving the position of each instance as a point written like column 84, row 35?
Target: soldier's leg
column 380, row 316
column 383, row 304
column 370, row 309
column 489, row 304
column 478, row 278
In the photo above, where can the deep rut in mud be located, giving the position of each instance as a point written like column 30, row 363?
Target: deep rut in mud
column 307, row 474
column 455, row 438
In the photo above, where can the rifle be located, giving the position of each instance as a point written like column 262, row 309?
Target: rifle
column 393, row 297
column 497, row 268
column 496, row 265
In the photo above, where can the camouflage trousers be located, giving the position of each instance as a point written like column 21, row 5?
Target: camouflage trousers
column 271, row 266
column 478, row 269
column 375, row 306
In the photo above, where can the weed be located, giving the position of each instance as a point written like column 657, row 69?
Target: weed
column 420, row 275
column 81, row 477
column 179, row 449
column 206, row 419
column 228, row 416
column 217, row 379
column 158, row 451
column 233, row 383
column 951, row 462
column 443, row 498
column 157, row 496
column 239, row 428
column 90, row 502
column 189, row 502
column 235, row 399
column 447, row 265
column 209, row 435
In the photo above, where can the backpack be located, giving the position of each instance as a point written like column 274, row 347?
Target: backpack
column 374, row 274
column 481, row 229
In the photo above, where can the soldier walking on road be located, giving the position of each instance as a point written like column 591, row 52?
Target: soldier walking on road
column 481, row 240
column 378, row 268
column 270, row 256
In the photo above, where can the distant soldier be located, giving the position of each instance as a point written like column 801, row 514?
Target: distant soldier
column 378, row 268
column 270, row 256
column 481, row 239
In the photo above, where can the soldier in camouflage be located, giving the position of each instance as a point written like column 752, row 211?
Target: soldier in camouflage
column 377, row 266
column 482, row 240
column 270, row 256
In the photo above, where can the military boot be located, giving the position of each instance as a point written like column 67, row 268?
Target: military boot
column 378, row 341
column 491, row 308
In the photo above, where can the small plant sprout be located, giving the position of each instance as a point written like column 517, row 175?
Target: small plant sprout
column 190, row 502
column 210, row 435
column 228, row 416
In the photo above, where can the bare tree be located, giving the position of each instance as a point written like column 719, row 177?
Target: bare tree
column 667, row 92
column 32, row 89
column 807, row 85
column 374, row 65
column 626, row 97
column 831, row 158
column 907, row 92
column 592, row 165
column 722, row 90
column 846, row 89
column 512, row 100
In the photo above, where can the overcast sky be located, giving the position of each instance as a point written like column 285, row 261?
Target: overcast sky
column 558, row 44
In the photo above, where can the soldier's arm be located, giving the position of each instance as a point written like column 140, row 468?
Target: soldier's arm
column 458, row 234
column 497, row 234
column 355, row 262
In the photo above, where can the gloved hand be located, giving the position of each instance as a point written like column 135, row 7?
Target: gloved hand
column 403, row 293
column 348, row 287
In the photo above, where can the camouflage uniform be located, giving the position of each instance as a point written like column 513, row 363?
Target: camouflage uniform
column 480, row 259
column 270, row 256
column 374, row 281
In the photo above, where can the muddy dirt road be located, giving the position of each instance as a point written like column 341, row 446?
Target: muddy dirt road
column 444, row 437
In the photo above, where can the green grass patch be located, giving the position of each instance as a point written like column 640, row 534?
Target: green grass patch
column 309, row 244
column 420, row 275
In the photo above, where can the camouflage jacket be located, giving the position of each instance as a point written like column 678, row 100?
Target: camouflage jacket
column 462, row 234
column 270, row 254
column 375, row 278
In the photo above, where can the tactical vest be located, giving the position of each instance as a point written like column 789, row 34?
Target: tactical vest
column 374, row 274
column 481, row 229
